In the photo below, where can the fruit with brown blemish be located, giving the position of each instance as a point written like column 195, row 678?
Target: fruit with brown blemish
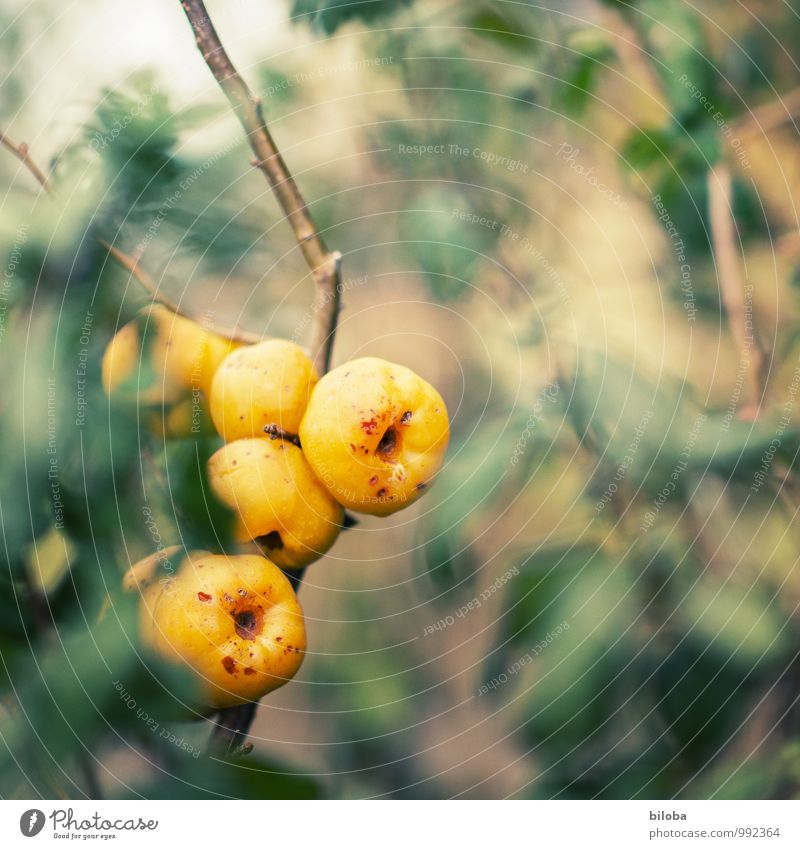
column 376, row 435
column 264, row 384
column 228, row 619
column 277, row 500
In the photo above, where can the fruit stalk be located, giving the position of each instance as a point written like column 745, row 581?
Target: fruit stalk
column 325, row 265
column 230, row 733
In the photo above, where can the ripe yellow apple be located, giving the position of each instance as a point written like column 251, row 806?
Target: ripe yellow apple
column 234, row 621
column 186, row 417
column 121, row 357
column 262, row 384
column 375, row 434
column 160, row 357
column 278, row 501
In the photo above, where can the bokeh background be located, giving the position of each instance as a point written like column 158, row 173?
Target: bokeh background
column 578, row 220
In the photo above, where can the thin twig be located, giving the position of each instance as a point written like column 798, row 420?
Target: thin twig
column 769, row 116
column 20, row 150
column 732, row 289
column 131, row 264
column 324, row 264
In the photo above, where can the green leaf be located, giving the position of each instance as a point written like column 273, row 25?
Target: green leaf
column 328, row 15
column 202, row 521
column 495, row 26
column 589, row 51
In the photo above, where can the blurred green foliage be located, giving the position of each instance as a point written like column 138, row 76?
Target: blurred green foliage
column 630, row 501
column 329, row 15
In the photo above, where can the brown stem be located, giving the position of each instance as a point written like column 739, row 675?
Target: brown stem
column 277, row 432
column 230, row 730
column 726, row 258
column 131, row 264
column 325, row 265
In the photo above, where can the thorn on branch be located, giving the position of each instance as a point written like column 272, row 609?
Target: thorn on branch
column 22, row 152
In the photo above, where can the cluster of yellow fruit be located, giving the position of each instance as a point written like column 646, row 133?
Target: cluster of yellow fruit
column 369, row 436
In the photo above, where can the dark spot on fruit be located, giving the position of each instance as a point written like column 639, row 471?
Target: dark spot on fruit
column 242, row 592
column 381, row 493
column 279, row 639
column 248, row 625
column 373, row 480
column 389, row 446
column 229, row 663
column 248, row 670
column 352, row 447
column 421, row 486
column 406, row 417
column 271, row 540
column 203, row 596
column 241, row 418
column 228, row 597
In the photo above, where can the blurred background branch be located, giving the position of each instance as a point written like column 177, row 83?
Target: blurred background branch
column 736, row 297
